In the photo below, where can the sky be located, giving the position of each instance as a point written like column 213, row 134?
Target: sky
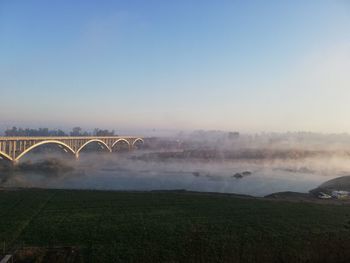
column 251, row 66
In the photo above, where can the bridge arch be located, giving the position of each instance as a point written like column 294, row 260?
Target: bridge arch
column 120, row 140
column 5, row 156
column 42, row 143
column 93, row 140
column 137, row 140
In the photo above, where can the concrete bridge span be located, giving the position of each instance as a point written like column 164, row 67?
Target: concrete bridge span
column 14, row 148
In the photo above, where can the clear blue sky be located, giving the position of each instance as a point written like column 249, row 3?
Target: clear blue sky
column 233, row 65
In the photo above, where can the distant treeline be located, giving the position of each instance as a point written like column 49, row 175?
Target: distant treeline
column 76, row 131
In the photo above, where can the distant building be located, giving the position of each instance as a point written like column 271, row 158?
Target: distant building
column 340, row 194
column 324, row 196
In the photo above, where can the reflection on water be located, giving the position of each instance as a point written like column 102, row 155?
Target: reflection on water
column 122, row 173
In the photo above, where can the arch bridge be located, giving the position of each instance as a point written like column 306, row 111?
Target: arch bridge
column 14, row 148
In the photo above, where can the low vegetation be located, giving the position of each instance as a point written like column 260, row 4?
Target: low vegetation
column 174, row 226
column 46, row 132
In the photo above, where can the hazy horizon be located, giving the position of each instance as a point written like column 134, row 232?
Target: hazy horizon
column 141, row 65
column 176, row 133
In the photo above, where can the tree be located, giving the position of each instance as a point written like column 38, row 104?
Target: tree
column 99, row 132
column 14, row 131
column 76, row 131
column 11, row 132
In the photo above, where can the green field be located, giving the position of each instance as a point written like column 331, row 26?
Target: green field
column 175, row 226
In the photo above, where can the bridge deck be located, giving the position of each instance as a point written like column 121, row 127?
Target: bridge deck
column 13, row 148
column 28, row 138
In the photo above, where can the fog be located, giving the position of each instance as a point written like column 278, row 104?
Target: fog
column 256, row 171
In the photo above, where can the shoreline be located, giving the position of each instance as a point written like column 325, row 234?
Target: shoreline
column 287, row 196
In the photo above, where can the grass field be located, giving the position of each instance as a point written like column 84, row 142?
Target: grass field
column 175, row 226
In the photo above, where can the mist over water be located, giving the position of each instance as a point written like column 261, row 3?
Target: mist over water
column 118, row 171
column 217, row 162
